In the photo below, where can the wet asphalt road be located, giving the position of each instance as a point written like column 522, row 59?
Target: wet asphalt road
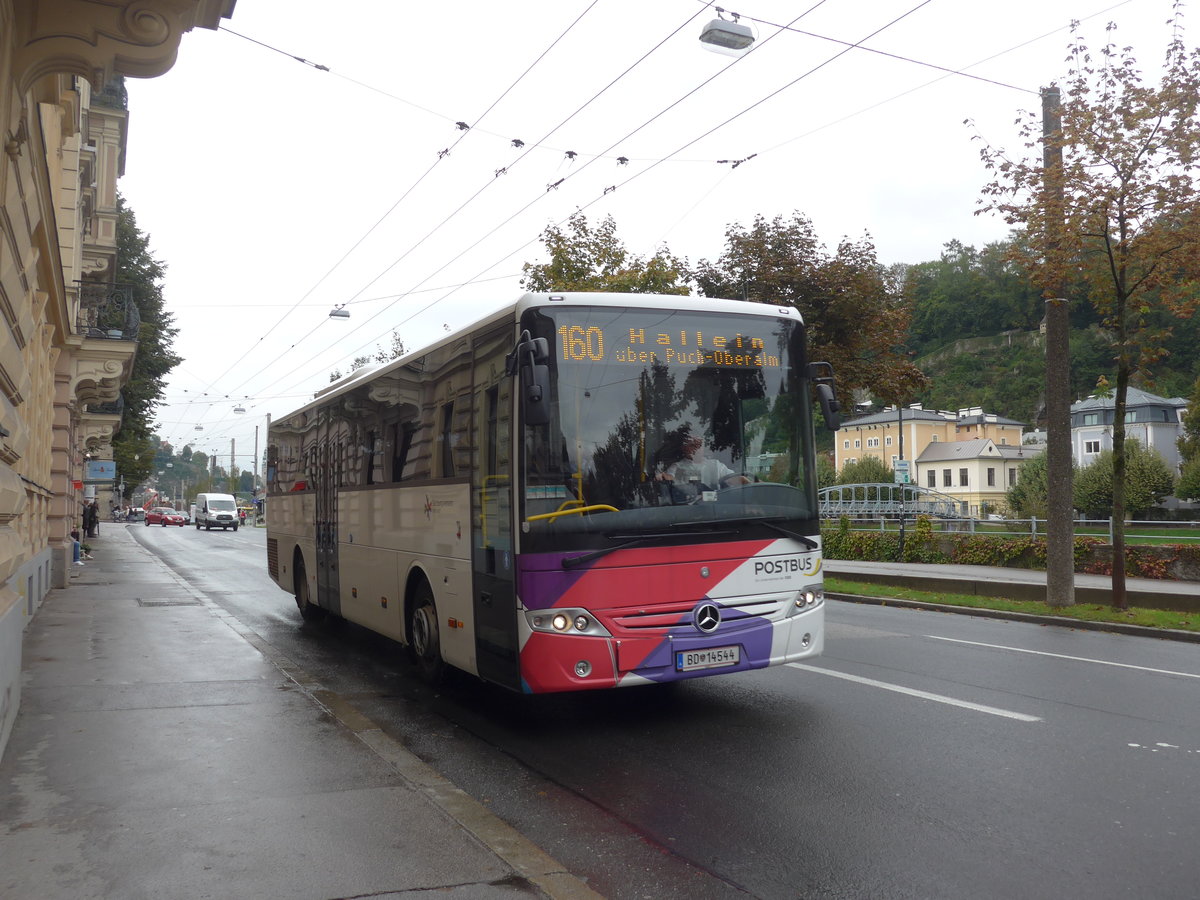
column 924, row 755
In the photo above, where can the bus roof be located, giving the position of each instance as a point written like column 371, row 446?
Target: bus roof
column 513, row 311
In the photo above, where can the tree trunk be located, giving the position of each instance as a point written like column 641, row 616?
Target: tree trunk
column 1119, row 598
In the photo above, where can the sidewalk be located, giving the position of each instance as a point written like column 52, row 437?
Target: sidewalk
column 160, row 752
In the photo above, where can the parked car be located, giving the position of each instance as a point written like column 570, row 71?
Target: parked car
column 164, row 516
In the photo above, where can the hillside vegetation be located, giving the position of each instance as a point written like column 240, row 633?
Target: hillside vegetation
column 975, row 334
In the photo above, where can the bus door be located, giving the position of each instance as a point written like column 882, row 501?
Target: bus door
column 328, row 466
column 494, row 596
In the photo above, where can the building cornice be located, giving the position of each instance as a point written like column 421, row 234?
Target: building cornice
column 100, row 39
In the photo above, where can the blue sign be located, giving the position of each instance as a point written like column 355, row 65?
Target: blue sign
column 100, row 470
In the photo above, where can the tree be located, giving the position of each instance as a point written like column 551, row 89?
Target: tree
column 855, row 321
column 1189, row 441
column 583, row 258
column 1127, row 218
column 1148, row 481
column 134, row 446
column 1028, row 497
column 868, row 470
column 1188, row 486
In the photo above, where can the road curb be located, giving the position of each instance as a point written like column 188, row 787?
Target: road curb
column 1169, row 634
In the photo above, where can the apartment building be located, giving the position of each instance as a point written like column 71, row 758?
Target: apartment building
column 67, row 333
column 879, row 434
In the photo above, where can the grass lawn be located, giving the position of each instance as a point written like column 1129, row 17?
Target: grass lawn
column 1153, row 618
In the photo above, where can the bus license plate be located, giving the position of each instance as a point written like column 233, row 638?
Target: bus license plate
column 712, row 658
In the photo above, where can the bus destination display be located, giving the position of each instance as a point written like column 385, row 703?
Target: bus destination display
column 638, row 346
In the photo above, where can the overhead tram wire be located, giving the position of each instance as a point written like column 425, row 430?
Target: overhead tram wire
column 848, row 46
column 600, row 155
column 679, row 150
column 411, row 188
column 529, row 149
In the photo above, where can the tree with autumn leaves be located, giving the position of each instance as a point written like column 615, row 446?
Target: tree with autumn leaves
column 856, row 320
column 1122, row 217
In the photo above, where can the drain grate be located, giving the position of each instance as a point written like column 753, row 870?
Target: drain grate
column 143, row 602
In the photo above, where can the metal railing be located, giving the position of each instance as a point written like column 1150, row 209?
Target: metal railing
column 1135, row 531
column 107, row 311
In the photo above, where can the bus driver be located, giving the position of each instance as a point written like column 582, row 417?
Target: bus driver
column 699, row 471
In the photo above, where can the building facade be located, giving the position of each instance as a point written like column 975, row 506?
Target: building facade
column 879, row 434
column 68, row 334
column 977, row 473
column 1154, row 422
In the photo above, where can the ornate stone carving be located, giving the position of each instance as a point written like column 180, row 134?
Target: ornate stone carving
column 96, row 40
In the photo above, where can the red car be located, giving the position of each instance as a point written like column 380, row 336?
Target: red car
column 164, row 516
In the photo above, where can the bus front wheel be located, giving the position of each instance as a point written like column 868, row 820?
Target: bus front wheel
column 424, row 639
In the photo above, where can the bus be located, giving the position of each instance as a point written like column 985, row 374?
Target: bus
column 526, row 499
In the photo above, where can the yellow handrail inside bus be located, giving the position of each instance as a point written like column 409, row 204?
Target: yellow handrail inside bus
column 599, row 507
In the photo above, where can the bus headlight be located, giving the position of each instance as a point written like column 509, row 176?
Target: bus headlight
column 565, row 621
column 809, row 597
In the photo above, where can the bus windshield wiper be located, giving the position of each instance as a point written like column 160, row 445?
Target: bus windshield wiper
column 630, row 540
column 772, row 525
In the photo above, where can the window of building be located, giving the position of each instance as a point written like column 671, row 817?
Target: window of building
column 1091, row 418
column 931, row 478
column 1012, row 477
column 846, row 444
column 933, row 439
column 888, row 440
column 946, row 481
column 991, row 477
column 1091, row 446
column 857, row 444
column 962, row 477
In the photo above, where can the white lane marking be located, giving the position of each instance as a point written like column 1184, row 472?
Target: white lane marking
column 923, row 695
column 1099, row 662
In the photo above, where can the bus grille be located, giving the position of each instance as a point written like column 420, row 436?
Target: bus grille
column 668, row 615
column 273, row 558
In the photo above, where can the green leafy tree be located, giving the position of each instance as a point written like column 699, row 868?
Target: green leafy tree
column 868, row 470
column 134, row 446
column 1188, row 486
column 1148, row 481
column 1121, row 212
column 1189, row 441
column 587, row 258
column 1028, row 497
column 827, row 475
column 856, row 320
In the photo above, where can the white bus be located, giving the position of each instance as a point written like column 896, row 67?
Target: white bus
column 580, row 491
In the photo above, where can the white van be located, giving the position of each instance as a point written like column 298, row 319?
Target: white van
column 216, row 511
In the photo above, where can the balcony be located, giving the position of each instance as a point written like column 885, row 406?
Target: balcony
column 107, row 311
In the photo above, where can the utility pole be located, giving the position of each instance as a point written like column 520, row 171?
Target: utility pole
column 1060, row 525
column 904, row 481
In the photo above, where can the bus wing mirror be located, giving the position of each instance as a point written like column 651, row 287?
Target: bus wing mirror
column 829, row 407
column 535, row 393
column 821, row 375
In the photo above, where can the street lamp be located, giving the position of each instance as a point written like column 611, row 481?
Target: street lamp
column 722, row 35
column 339, row 312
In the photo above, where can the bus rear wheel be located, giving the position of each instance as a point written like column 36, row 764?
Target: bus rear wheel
column 424, row 637
column 309, row 611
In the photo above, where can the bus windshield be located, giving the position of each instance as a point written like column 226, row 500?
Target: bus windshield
column 665, row 423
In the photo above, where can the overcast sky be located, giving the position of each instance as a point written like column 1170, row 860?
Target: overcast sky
column 274, row 190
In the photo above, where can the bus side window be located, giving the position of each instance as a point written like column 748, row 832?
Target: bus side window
column 402, row 442
column 446, row 439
